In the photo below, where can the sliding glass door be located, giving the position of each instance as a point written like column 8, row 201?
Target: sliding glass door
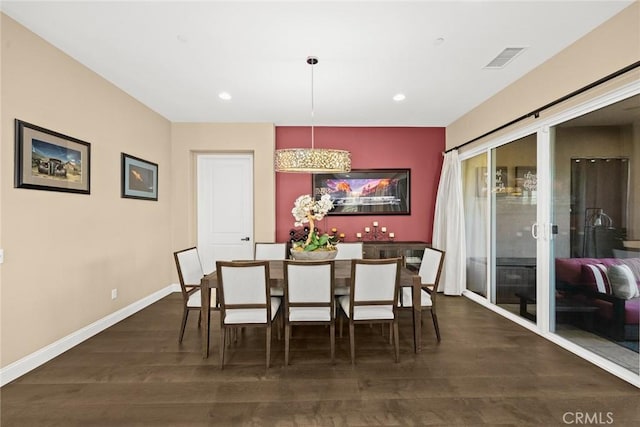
column 514, row 201
column 596, row 252
column 553, row 229
column 476, row 193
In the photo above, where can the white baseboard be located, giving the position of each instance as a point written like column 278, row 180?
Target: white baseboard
column 45, row 354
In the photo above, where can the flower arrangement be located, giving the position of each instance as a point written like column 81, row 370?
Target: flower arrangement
column 307, row 210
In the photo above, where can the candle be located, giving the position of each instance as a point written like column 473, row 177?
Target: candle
column 392, row 235
column 359, row 235
column 375, row 223
column 367, row 229
column 384, row 229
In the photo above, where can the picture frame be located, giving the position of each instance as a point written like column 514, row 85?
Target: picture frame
column 50, row 161
column 139, row 178
column 366, row 191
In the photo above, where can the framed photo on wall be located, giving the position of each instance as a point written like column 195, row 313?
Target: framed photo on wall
column 139, row 178
column 366, row 191
column 48, row 160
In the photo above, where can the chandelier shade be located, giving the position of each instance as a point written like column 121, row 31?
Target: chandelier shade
column 312, row 160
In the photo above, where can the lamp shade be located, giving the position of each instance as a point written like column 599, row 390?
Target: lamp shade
column 312, row 160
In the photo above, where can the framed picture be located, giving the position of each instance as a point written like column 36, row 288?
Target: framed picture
column 482, row 181
column 139, row 178
column 366, row 191
column 48, row 160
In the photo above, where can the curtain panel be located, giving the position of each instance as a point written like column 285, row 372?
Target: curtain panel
column 449, row 226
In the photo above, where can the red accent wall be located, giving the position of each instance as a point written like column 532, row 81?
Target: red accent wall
column 417, row 148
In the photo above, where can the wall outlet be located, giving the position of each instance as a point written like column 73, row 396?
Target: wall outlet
column 114, row 293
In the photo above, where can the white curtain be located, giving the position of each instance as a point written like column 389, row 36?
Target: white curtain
column 449, row 225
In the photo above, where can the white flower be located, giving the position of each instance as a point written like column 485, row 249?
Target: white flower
column 305, row 207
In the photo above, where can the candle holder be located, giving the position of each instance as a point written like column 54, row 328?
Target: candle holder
column 339, row 236
column 378, row 233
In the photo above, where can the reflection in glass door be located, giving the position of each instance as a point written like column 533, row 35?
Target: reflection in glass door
column 595, row 208
column 514, row 201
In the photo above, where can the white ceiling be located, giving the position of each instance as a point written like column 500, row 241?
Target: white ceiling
column 177, row 56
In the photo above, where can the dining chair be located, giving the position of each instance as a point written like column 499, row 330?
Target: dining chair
column 190, row 274
column 373, row 297
column 309, row 298
column 348, row 250
column 430, row 270
column 270, row 251
column 245, row 299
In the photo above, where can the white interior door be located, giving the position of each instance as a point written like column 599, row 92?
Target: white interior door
column 225, row 208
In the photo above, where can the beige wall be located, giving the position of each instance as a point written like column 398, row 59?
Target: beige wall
column 189, row 139
column 607, row 49
column 65, row 252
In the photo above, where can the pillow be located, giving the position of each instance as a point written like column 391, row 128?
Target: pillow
column 623, row 283
column 634, row 265
column 596, row 275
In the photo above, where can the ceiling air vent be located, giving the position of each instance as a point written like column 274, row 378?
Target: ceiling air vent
column 504, row 57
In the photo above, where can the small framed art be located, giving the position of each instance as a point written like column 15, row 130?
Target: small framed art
column 139, row 178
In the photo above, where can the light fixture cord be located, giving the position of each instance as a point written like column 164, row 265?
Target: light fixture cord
column 312, row 108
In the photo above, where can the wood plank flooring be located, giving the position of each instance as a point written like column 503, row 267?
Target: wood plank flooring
column 486, row 371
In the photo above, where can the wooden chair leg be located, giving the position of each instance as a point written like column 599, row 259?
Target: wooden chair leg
column 352, row 342
column 287, row 336
column 185, row 314
column 396, row 340
column 199, row 319
column 268, row 345
column 435, row 324
column 332, row 334
column 279, row 324
column 223, row 338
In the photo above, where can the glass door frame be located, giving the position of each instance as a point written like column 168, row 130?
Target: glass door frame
column 545, row 291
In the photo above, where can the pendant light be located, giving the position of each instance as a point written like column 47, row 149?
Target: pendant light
column 312, row 160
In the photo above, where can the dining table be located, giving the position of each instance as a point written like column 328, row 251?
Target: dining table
column 342, row 272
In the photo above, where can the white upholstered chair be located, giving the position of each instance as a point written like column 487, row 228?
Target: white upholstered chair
column 350, row 250
column 270, row 251
column 373, row 297
column 430, row 270
column 309, row 298
column 190, row 274
column 245, row 299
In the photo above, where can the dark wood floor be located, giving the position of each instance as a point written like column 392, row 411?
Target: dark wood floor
column 486, row 371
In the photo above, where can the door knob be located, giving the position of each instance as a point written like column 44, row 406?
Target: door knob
column 245, row 239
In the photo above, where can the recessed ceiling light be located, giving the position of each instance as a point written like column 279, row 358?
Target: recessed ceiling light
column 399, row 97
column 225, row 96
